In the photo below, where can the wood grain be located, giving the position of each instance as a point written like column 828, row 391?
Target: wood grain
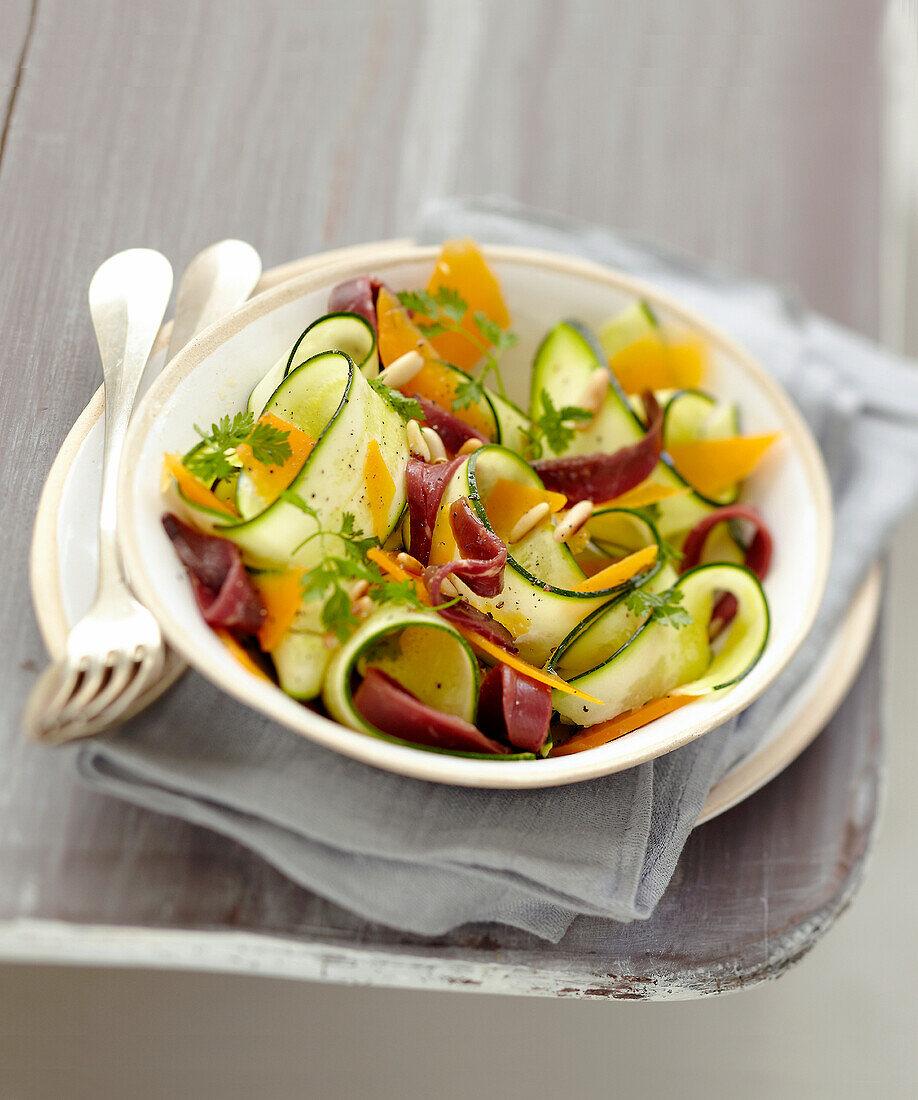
column 745, row 133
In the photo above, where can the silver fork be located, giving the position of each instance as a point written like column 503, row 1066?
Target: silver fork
column 61, row 707
column 116, row 650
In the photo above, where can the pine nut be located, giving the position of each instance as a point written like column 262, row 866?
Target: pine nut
column 470, row 446
column 404, row 368
column 448, row 589
column 573, row 521
column 417, row 442
column 595, row 393
column 409, row 564
column 434, row 445
column 529, row 520
column 362, row 607
column 330, row 641
column 361, row 588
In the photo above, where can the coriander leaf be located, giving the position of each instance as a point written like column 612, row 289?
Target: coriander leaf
column 418, row 301
column 451, row 303
column 408, row 408
column 435, row 328
column 553, row 423
column 664, row 606
column 493, row 333
column 337, row 616
column 269, row 444
column 227, row 433
column 216, row 456
column 470, row 391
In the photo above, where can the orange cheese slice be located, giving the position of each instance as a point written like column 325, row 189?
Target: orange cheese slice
column 650, row 364
column 712, row 465
column 380, row 489
column 461, row 267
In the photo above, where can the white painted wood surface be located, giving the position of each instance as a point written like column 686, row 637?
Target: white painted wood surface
column 746, row 133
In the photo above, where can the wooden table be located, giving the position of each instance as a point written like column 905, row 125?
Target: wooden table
column 744, row 133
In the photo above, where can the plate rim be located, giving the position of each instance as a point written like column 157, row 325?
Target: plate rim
column 405, row 760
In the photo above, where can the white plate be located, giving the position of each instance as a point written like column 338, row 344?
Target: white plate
column 219, row 369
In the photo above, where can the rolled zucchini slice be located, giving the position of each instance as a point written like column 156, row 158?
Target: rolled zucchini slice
column 539, row 604
column 328, row 398
column 349, row 333
column 658, row 659
column 563, row 366
column 419, row 649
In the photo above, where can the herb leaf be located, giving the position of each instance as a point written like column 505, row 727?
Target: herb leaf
column 470, row 391
column 418, row 301
column 452, row 304
column 408, row 408
column 216, row 457
column 664, row 606
column 493, row 333
column 553, row 426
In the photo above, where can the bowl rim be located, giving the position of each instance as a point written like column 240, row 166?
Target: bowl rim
column 404, row 760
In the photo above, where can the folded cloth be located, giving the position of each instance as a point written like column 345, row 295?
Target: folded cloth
column 426, row 858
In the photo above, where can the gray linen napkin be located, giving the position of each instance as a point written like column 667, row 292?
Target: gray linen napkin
column 426, row 858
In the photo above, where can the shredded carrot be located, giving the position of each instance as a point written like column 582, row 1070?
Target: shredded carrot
column 394, row 570
column 193, row 490
column 387, row 565
column 620, row 571
column 603, row 732
column 281, row 593
column 525, row 668
column 242, row 655
column 648, row 492
column 712, row 465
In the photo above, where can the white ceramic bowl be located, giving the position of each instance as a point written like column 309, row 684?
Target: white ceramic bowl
column 215, row 373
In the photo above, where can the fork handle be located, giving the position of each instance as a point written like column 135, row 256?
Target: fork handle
column 128, row 296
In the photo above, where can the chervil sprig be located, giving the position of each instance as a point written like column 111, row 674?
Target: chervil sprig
column 216, row 457
column 408, row 408
column 666, row 606
column 334, row 578
column 553, row 427
column 446, row 310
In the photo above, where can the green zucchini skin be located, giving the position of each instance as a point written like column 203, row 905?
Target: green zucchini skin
column 453, row 689
column 563, row 365
column 658, row 658
column 328, row 398
column 349, row 333
column 539, row 612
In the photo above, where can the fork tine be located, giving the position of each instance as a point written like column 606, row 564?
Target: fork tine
column 68, row 678
column 93, row 676
column 40, row 716
column 114, row 700
column 121, row 675
column 147, row 672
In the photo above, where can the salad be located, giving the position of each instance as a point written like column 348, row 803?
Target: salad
column 383, row 534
